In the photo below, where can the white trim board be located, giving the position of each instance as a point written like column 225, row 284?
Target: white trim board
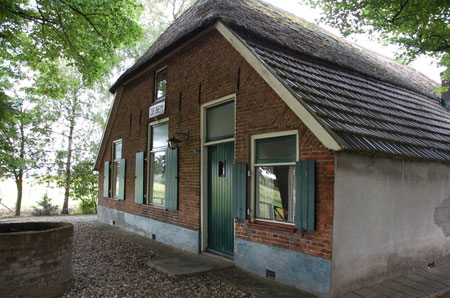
column 107, row 130
column 292, row 102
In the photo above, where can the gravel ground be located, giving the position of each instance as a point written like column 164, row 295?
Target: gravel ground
column 106, row 265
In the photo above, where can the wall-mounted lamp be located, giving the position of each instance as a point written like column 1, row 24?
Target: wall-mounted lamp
column 173, row 141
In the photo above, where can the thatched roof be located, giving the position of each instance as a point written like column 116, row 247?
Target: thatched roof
column 262, row 20
column 369, row 103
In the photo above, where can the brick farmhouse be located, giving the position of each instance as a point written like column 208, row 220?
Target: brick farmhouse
column 248, row 133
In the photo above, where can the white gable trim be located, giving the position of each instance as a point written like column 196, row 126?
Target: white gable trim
column 107, row 130
column 293, row 103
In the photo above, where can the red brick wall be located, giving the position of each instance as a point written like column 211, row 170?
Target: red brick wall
column 260, row 110
column 213, row 63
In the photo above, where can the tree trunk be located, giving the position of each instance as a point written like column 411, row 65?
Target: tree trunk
column 19, row 175
column 19, row 184
column 65, row 209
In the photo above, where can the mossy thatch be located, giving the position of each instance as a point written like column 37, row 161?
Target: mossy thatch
column 256, row 18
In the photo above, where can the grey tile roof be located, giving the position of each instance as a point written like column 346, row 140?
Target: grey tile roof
column 365, row 114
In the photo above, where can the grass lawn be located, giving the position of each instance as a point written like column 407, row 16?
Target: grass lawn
column 32, row 193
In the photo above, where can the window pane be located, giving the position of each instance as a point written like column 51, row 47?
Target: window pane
column 275, row 193
column 220, row 122
column 116, row 180
column 282, row 149
column 158, row 186
column 161, row 81
column 117, row 150
column 160, row 135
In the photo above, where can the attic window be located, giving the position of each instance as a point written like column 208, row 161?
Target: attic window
column 160, row 84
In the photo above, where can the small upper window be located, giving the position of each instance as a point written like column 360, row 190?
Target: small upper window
column 220, row 122
column 275, row 150
column 160, row 84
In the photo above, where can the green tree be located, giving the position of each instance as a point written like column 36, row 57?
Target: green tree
column 85, row 33
column 157, row 15
column 45, row 206
column 74, row 105
column 6, row 109
column 84, row 186
column 417, row 26
column 22, row 142
column 6, row 106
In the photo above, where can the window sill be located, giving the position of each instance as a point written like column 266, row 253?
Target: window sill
column 154, row 206
column 271, row 226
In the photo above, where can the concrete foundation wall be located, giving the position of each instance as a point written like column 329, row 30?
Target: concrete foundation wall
column 176, row 236
column 390, row 217
column 309, row 273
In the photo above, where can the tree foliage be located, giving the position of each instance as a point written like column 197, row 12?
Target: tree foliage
column 74, row 105
column 86, row 33
column 157, row 15
column 417, row 26
column 68, row 50
column 23, row 138
column 84, row 186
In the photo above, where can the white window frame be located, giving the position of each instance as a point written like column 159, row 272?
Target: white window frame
column 150, row 161
column 114, row 175
column 155, row 99
column 253, row 166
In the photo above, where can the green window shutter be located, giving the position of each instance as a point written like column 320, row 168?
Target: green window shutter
column 305, row 185
column 122, row 179
column 172, row 179
column 139, row 179
column 106, row 180
column 239, row 191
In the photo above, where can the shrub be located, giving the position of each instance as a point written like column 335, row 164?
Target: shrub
column 46, row 207
column 84, row 187
column 87, row 207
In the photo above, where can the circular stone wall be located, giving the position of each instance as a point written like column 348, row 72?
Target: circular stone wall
column 35, row 259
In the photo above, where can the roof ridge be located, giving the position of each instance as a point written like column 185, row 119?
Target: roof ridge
column 341, row 39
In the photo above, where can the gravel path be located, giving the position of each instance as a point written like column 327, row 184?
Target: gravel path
column 107, row 265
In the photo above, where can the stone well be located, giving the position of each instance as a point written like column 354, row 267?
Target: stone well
column 35, row 259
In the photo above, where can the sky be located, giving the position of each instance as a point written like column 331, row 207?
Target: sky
column 423, row 64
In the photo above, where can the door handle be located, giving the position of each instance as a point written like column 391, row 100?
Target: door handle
column 222, row 167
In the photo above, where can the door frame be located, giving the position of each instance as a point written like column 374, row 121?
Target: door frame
column 204, row 164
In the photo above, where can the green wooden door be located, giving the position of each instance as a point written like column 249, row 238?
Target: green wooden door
column 220, row 218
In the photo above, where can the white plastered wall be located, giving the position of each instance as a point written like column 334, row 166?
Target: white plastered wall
column 391, row 216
